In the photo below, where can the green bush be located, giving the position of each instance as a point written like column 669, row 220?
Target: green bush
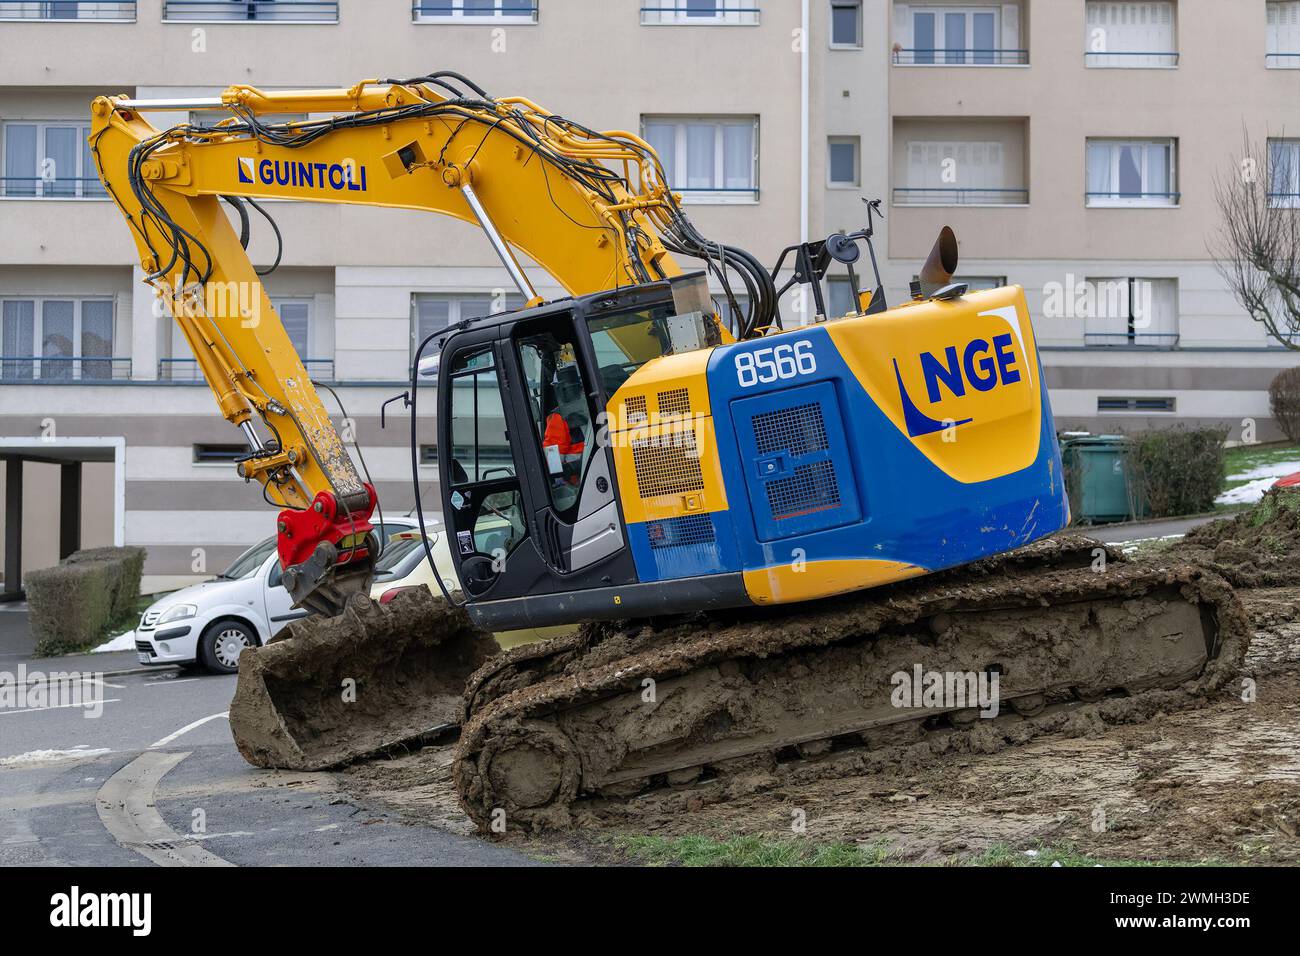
column 75, row 604
column 1284, row 400
column 1176, row 471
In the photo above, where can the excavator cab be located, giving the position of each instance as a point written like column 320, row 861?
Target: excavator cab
column 526, row 471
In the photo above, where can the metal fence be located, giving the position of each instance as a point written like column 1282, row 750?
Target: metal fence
column 951, row 57
column 66, row 10
column 272, row 11
column 959, row 196
column 186, row 371
column 63, row 369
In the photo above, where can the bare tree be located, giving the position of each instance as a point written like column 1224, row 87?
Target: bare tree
column 1257, row 247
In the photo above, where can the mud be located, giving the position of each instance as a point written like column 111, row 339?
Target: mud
column 1255, row 548
column 333, row 689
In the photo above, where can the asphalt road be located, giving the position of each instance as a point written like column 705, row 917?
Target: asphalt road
column 139, row 769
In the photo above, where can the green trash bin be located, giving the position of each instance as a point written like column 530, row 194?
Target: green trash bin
column 1097, row 479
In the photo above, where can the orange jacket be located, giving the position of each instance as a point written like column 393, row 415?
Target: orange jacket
column 559, row 435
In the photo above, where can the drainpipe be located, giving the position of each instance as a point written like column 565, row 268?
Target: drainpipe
column 805, row 94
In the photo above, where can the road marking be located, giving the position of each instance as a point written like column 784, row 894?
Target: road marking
column 47, row 756
column 33, row 710
column 186, row 729
column 126, row 808
column 169, row 683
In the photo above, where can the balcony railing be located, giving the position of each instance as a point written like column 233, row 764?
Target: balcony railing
column 946, row 57
column 959, row 196
column 1132, row 60
column 261, row 11
column 447, row 11
column 1133, row 340
column 185, row 371
column 1284, row 200
column 62, row 370
column 64, row 187
column 1122, row 199
column 66, row 10
column 700, row 16
column 1282, row 61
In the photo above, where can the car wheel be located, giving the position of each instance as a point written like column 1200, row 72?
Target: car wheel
column 221, row 644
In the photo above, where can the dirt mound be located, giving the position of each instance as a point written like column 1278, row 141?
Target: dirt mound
column 338, row 688
column 1255, row 548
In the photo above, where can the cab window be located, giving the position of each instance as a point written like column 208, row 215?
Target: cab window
column 561, row 413
column 626, row 341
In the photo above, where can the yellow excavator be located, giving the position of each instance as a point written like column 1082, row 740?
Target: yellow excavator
column 732, row 507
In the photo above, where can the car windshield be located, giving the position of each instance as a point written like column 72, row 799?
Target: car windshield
column 396, row 558
column 247, row 563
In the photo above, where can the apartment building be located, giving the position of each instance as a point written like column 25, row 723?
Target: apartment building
column 1068, row 142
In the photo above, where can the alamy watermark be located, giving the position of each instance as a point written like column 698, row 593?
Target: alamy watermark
column 946, row 690
column 36, row 690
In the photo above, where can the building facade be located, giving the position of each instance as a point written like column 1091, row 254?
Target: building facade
column 1068, row 143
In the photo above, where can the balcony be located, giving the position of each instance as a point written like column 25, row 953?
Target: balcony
column 1132, row 340
column 185, row 371
column 63, row 187
column 62, row 370
column 691, row 13
column 959, row 196
column 260, row 11
column 63, row 10
column 1282, row 61
column 474, row 11
column 1131, row 60
column 951, row 57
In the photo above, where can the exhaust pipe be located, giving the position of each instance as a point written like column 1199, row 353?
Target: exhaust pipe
column 939, row 267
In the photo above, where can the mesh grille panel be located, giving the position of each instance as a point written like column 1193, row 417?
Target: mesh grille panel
column 667, row 464
column 812, row 487
column 634, row 410
column 797, row 430
column 679, row 532
column 677, row 401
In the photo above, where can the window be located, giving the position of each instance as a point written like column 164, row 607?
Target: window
column 1128, row 311
column 219, row 455
column 1131, row 173
column 432, row 313
column 295, row 316
column 708, row 159
column 475, row 11
column 957, row 172
column 979, row 283
column 1284, row 173
column 1140, row 404
column 1283, row 17
column 954, row 36
column 846, row 24
column 43, row 160
column 842, row 166
column 67, row 10
column 480, row 449
column 700, row 12
column 840, row 299
column 56, row 339
column 275, row 11
column 626, row 341
column 1130, row 35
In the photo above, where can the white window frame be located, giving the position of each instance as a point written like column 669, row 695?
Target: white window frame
column 676, row 13
column 1289, row 196
column 503, row 11
column 82, row 191
column 1282, row 55
column 457, row 310
column 742, row 197
column 939, row 52
column 1128, row 59
column 310, row 302
column 981, row 283
column 856, row 6
column 38, row 7
column 1157, row 338
column 38, row 336
column 856, row 143
column 1172, row 201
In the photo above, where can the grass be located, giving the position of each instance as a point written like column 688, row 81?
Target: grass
column 790, row 851
column 1243, row 458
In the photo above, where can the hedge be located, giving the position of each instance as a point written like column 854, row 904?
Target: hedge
column 75, row 603
column 1176, row 471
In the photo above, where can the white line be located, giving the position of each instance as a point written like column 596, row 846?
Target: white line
column 169, row 683
column 187, row 728
column 36, row 710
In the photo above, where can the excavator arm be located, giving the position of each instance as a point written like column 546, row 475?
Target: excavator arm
column 591, row 208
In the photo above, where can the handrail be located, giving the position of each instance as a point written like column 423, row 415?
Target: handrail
column 253, row 11
column 122, row 11
column 960, row 195
column 908, row 56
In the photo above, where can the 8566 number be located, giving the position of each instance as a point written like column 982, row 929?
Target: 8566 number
column 764, row 366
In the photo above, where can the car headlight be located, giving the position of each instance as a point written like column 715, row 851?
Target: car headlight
column 178, row 612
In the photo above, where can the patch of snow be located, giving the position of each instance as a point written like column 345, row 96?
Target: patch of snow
column 49, row 756
column 1277, row 469
column 1249, row 493
column 123, row 642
